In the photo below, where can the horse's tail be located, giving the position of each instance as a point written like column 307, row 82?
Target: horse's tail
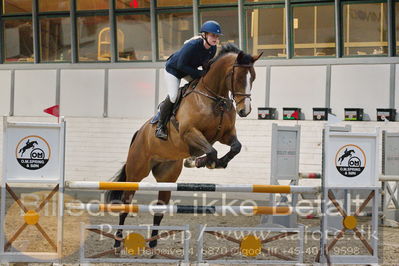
column 116, row 195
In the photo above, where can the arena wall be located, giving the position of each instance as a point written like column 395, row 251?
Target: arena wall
column 118, row 91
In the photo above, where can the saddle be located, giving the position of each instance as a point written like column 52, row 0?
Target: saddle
column 182, row 92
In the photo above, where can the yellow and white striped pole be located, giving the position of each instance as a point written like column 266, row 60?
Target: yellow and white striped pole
column 135, row 186
column 182, row 209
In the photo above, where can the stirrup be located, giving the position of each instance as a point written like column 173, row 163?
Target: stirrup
column 161, row 133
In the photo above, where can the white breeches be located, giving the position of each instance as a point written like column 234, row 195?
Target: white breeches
column 172, row 85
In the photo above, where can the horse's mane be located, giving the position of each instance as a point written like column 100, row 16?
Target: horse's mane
column 231, row 48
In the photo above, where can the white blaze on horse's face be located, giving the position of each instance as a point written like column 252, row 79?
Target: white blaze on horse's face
column 244, row 101
column 248, row 87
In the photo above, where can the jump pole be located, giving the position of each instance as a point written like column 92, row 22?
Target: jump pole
column 309, row 175
column 181, row 209
column 135, row 186
column 388, row 178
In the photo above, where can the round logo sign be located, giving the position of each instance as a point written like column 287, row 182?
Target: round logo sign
column 33, row 152
column 350, row 160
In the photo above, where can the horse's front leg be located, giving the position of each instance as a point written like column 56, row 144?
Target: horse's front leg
column 127, row 198
column 229, row 139
column 163, row 199
column 235, row 148
column 197, row 142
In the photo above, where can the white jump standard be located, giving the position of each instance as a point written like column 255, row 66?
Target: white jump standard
column 350, row 163
column 390, row 178
column 33, row 155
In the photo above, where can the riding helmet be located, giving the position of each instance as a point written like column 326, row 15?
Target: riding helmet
column 211, row 26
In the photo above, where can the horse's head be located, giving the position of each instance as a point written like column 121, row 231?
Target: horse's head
column 242, row 77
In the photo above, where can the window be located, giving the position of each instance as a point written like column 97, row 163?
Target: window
column 55, row 39
column 171, row 3
column 136, row 30
column 93, row 38
column 265, row 31
column 173, row 30
column 257, row 1
column 365, row 29
column 121, row 4
column 52, row 5
column 314, row 30
column 91, row 4
column 228, row 20
column 17, row 6
column 216, row 2
column 18, row 40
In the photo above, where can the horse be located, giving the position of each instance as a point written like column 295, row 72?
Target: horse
column 206, row 114
column 29, row 144
column 346, row 154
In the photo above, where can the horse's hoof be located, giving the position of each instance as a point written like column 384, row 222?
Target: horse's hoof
column 211, row 166
column 117, row 251
column 153, row 243
column 201, row 161
column 189, row 162
column 221, row 164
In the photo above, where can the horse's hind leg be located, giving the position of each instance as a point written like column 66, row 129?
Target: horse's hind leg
column 164, row 172
column 200, row 145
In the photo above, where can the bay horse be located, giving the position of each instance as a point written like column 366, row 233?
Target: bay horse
column 206, row 115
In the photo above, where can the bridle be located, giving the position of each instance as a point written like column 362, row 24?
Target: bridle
column 233, row 91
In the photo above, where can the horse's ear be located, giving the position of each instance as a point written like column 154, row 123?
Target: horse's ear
column 256, row 57
column 240, row 57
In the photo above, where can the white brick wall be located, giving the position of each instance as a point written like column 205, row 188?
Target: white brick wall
column 97, row 147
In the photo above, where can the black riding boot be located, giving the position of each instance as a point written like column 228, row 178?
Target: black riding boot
column 165, row 110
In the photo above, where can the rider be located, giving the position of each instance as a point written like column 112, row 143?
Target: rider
column 184, row 64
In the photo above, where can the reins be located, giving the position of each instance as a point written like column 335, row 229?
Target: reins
column 218, row 98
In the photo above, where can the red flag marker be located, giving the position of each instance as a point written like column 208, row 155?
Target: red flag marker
column 53, row 110
column 295, row 115
column 134, row 4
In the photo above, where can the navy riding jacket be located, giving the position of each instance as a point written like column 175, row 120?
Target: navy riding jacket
column 187, row 60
